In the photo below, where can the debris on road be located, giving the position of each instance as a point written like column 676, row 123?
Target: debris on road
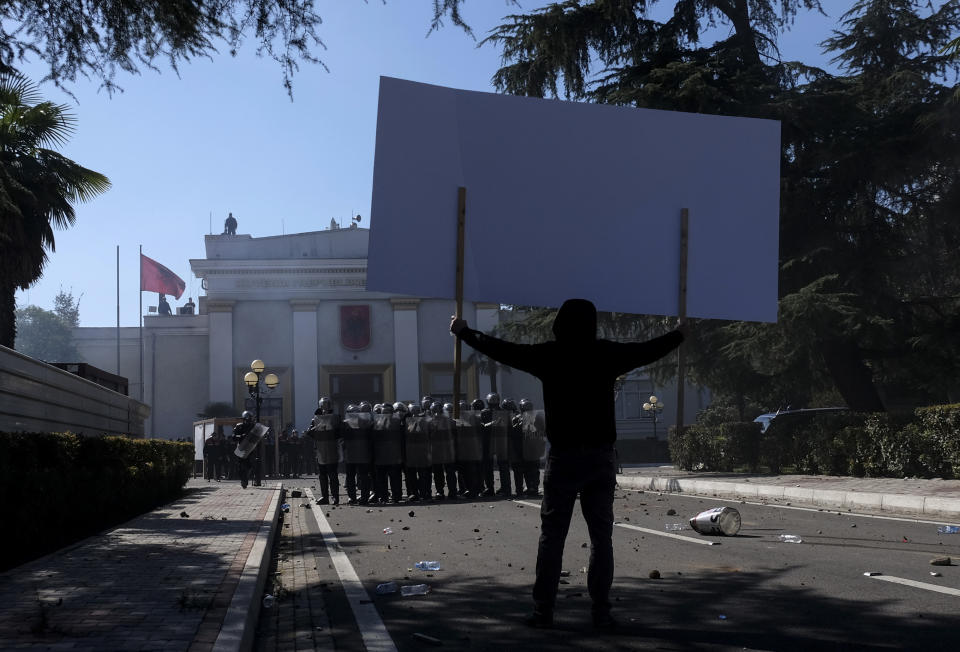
column 941, row 561
column 427, row 639
column 674, row 527
column 387, row 588
column 789, row 538
column 671, row 512
column 719, row 520
column 295, row 493
column 184, row 515
column 427, row 565
column 268, row 601
column 564, row 573
column 654, row 574
column 388, row 530
column 872, row 573
column 935, row 574
column 415, row 589
column 948, row 529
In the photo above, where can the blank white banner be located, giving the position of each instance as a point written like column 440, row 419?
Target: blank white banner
column 567, row 199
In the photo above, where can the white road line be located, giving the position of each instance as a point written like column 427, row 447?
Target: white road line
column 915, row 584
column 822, row 510
column 668, row 535
column 374, row 632
column 643, row 529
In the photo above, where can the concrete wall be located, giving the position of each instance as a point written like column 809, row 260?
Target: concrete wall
column 36, row 397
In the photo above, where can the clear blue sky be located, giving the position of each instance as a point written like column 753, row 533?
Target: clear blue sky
column 224, row 136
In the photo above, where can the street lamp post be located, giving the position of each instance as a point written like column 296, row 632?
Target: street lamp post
column 654, row 408
column 253, row 379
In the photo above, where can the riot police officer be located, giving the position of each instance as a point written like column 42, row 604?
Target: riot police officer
column 443, row 452
column 534, row 445
column 417, row 454
column 387, row 454
column 514, row 443
column 498, row 422
column 486, row 439
column 469, row 452
column 325, row 433
column 357, row 451
column 251, row 459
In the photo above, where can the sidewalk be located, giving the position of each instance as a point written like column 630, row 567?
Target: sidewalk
column 935, row 499
column 162, row 581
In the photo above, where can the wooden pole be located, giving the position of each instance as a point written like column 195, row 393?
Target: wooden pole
column 682, row 314
column 461, row 221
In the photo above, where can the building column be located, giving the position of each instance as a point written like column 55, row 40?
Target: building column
column 488, row 316
column 406, row 349
column 305, row 363
column 222, row 381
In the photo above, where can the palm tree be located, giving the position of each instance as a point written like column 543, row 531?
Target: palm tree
column 38, row 188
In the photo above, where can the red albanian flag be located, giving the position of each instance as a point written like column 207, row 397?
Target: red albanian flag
column 154, row 277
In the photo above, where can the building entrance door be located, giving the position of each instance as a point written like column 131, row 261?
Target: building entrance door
column 353, row 388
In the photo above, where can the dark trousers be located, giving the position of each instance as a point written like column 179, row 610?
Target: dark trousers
column 246, row 465
column 410, row 480
column 448, row 471
column 504, row 467
column 531, row 476
column 486, row 474
column 384, row 473
column 329, row 481
column 358, row 475
column 470, row 479
column 518, row 476
column 591, row 473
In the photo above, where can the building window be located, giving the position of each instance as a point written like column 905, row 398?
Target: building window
column 633, row 393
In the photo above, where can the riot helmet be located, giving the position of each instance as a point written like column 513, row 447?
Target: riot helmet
column 526, row 405
column 324, row 404
column 351, row 408
column 493, row 400
column 247, row 415
column 426, row 402
column 415, row 409
column 464, row 406
column 364, row 407
column 377, row 408
column 508, row 404
column 400, row 408
column 436, row 408
column 386, row 408
column 448, row 409
column 477, row 404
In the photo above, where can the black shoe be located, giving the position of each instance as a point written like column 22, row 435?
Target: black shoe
column 352, row 501
column 243, row 484
column 487, row 493
column 323, row 501
column 604, row 621
column 539, row 621
column 413, row 499
column 439, row 496
column 336, row 501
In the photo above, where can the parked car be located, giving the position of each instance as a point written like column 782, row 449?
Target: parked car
column 766, row 419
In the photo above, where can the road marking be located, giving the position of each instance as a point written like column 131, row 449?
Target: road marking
column 915, row 584
column 668, row 535
column 822, row 510
column 643, row 529
column 374, row 632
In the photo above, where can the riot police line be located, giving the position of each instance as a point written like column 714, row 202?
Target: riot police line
column 406, row 452
column 250, row 453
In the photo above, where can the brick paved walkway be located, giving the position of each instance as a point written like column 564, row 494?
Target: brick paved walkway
column 158, row 582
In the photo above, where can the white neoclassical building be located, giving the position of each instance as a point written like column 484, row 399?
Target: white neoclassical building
column 299, row 303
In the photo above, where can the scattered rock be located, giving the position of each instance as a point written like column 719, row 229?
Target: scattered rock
column 853, row 525
column 564, row 573
column 184, row 515
column 654, row 574
column 671, row 512
column 941, row 561
column 411, row 513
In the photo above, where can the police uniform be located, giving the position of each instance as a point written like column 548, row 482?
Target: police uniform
column 358, row 453
column 325, row 434
column 387, row 455
column 251, row 462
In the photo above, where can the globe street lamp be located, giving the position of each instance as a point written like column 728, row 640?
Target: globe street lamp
column 654, row 408
column 253, row 381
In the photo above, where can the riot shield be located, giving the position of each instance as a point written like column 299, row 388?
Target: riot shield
column 534, row 435
column 418, row 443
column 357, row 438
column 499, row 426
column 442, row 445
column 387, row 439
column 325, row 432
column 250, row 441
column 469, row 446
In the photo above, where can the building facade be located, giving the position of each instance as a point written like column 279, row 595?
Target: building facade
column 299, row 303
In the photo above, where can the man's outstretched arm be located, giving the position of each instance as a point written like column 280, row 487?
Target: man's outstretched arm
column 518, row 356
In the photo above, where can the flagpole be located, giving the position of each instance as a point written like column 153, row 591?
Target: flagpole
column 141, row 323
column 118, row 310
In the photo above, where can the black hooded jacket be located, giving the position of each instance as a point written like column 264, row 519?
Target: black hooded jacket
column 576, row 369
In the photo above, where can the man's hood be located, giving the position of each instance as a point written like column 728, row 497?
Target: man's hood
column 576, row 321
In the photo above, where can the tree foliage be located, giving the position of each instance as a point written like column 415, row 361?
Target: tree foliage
column 870, row 163
column 48, row 335
column 38, row 188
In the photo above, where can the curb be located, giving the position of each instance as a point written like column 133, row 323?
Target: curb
column 904, row 504
column 240, row 623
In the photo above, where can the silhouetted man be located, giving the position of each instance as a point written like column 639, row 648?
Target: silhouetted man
column 230, row 225
column 163, row 307
column 581, row 459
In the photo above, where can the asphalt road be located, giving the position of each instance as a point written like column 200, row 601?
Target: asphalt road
column 749, row 591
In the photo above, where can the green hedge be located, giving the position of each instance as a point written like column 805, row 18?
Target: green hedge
column 924, row 443
column 60, row 487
